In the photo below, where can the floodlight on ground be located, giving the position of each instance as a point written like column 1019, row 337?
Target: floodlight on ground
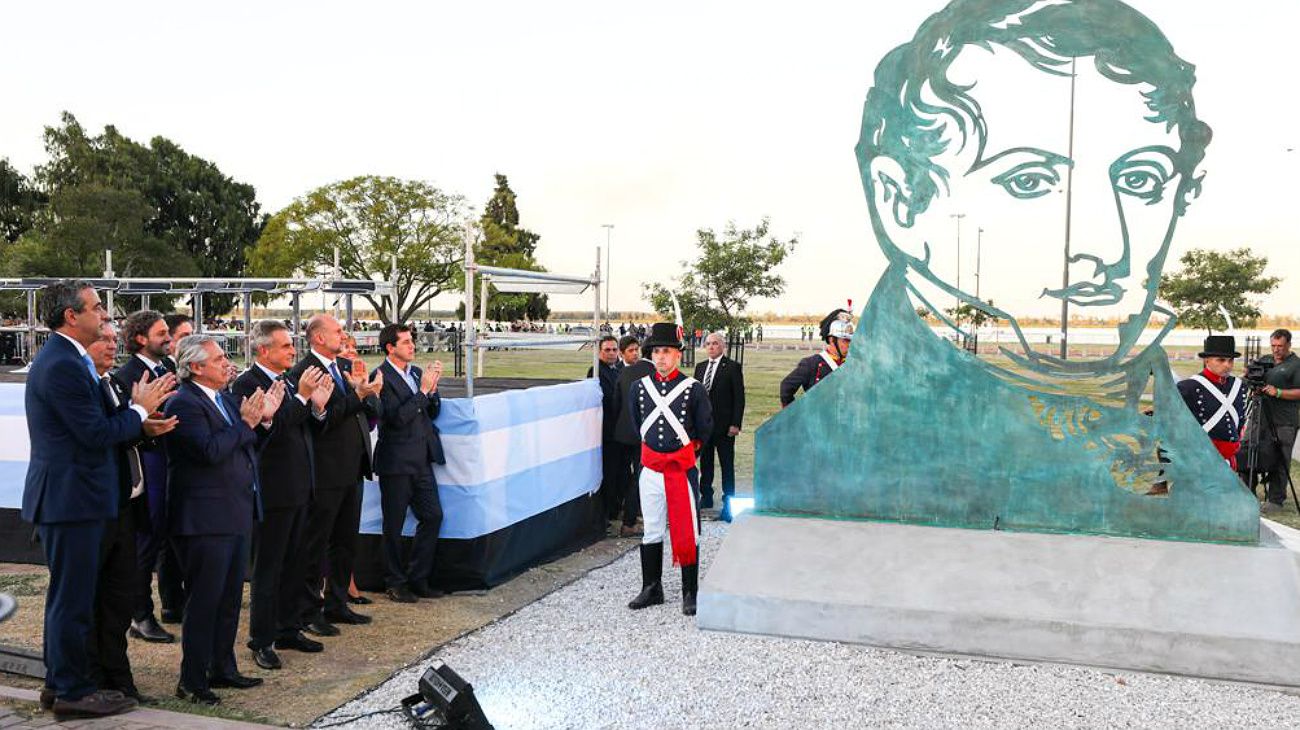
column 445, row 700
column 740, row 505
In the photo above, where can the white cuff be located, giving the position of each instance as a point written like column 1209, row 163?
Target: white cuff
column 144, row 415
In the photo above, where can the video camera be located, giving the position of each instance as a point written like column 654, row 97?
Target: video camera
column 1255, row 371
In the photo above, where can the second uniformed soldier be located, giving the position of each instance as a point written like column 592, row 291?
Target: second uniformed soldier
column 837, row 333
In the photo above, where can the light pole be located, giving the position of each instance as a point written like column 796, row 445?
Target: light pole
column 979, row 245
column 958, row 217
column 609, row 266
column 1069, row 200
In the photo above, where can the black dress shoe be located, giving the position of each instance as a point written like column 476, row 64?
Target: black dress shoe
column 321, row 628
column 346, row 615
column 359, row 600
column 298, row 642
column 149, row 630
column 266, row 658
column 234, row 681
column 47, row 698
column 402, row 594
column 424, row 590
column 197, row 696
column 96, row 704
column 171, row 616
column 688, row 604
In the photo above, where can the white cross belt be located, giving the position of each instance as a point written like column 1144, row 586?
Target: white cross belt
column 1225, row 402
column 663, row 407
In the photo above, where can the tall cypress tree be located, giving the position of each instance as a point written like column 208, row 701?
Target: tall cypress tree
column 507, row 245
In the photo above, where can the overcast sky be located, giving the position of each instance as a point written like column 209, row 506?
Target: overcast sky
column 659, row 119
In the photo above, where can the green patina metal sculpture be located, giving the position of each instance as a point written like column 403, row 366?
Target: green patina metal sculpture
column 917, row 430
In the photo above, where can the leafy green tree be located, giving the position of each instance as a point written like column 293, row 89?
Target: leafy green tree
column 968, row 313
column 82, row 221
column 730, row 269
column 505, row 244
column 19, row 203
column 194, row 208
column 369, row 219
column 1209, row 280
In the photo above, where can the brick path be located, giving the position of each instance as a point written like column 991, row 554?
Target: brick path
column 22, row 711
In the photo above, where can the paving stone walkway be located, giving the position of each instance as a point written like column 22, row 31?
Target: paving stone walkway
column 19, row 710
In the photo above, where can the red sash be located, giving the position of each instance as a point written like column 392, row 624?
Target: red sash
column 677, row 492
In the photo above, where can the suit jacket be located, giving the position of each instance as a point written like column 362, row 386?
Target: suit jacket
column 72, row 470
column 211, row 467
column 286, row 465
column 342, row 442
column 130, row 466
column 625, row 430
column 408, row 439
column 609, row 401
column 727, row 395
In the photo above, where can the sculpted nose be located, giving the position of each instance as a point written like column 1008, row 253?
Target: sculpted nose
column 1099, row 246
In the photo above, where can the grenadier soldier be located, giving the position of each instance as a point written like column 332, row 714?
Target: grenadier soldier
column 1217, row 399
column 837, row 333
column 673, row 415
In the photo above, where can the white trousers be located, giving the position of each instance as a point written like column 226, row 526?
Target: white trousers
column 654, row 505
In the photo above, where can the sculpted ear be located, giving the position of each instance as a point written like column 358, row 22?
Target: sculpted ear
column 892, row 195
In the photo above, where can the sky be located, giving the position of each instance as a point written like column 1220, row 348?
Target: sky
column 657, row 119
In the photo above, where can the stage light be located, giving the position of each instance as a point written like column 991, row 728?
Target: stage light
column 445, row 700
column 740, row 505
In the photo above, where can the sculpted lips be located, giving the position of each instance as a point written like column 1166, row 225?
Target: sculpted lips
column 1088, row 294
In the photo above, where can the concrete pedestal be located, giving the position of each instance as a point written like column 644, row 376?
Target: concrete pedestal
column 1207, row 610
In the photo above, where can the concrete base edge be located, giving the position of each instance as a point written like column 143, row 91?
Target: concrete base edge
column 1216, row 611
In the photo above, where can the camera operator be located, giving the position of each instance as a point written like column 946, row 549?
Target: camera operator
column 1282, row 410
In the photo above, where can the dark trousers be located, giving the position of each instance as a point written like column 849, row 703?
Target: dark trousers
column 277, row 573
column 328, row 550
column 725, row 446
column 613, row 484
column 72, row 556
column 1277, row 482
column 627, row 462
column 420, row 493
column 155, row 552
column 114, row 602
column 214, row 568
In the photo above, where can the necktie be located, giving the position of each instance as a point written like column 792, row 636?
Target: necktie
column 221, row 407
column 338, row 379
column 106, row 390
column 90, row 368
column 159, row 371
column 708, row 375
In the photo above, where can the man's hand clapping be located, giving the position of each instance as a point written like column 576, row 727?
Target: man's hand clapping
column 154, row 427
column 149, row 394
column 250, row 411
column 311, row 380
column 322, row 391
column 271, row 403
column 430, row 377
column 371, row 387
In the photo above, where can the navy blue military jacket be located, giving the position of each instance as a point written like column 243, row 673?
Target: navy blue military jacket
column 806, row 374
column 1205, row 404
column 689, row 405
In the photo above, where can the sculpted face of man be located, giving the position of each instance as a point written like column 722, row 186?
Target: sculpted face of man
column 1126, row 163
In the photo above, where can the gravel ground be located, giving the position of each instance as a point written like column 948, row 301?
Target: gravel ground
column 579, row 659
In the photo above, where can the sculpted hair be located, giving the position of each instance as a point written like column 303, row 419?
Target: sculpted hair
column 138, row 325
column 913, row 112
column 191, row 350
column 260, row 334
column 59, row 297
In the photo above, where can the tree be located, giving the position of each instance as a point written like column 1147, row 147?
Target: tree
column 507, row 245
column 19, row 203
column 81, row 222
column 369, row 219
column 1209, row 280
column 729, row 271
column 193, row 207
column 968, row 313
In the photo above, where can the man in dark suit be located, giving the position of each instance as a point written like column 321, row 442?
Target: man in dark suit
column 171, row 586
column 627, row 439
column 408, row 448
column 71, row 489
column 612, row 484
column 115, row 591
column 725, row 382
column 286, row 473
column 148, row 342
column 212, row 504
column 342, row 458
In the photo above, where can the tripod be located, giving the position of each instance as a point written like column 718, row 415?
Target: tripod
column 1257, row 417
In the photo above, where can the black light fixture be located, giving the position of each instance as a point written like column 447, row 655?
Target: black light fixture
column 445, row 700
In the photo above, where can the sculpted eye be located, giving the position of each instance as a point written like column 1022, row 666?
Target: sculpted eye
column 1141, row 180
column 1032, row 180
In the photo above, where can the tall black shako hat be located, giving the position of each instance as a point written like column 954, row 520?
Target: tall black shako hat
column 836, row 315
column 1220, row 346
column 662, row 334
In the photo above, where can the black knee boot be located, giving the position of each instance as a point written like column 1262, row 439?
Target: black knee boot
column 652, row 570
column 690, row 585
